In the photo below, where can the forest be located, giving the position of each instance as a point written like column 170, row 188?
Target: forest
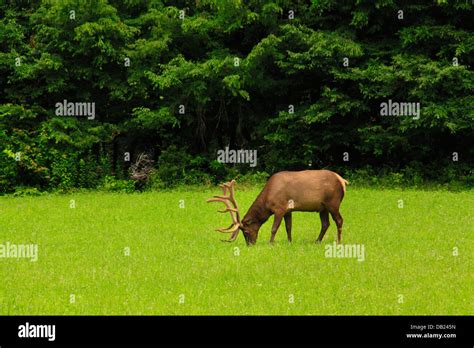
column 93, row 90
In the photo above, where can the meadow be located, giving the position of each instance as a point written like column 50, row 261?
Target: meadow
column 156, row 253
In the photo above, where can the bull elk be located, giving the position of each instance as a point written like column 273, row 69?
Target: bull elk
column 309, row 190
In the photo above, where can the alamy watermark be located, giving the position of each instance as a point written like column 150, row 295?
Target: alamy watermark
column 19, row 251
column 75, row 109
column 393, row 108
column 356, row 251
column 237, row 156
column 28, row 330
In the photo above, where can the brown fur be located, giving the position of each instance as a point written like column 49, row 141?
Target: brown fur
column 309, row 190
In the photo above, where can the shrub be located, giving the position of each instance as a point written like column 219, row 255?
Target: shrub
column 8, row 171
column 22, row 191
column 171, row 166
column 111, row 184
column 63, row 170
column 253, row 178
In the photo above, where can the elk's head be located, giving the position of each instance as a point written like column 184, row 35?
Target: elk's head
column 232, row 207
column 250, row 229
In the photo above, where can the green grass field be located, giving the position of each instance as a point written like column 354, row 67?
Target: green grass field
column 175, row 255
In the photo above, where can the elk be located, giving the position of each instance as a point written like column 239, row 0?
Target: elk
column 308, row 190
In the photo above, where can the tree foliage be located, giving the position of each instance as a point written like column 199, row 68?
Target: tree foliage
column 301, row 82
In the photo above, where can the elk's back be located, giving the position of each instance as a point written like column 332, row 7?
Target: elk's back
column 307, row 190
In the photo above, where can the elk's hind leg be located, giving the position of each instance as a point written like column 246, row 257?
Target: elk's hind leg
column 324, row 216
column 337, row 217
column 288, row 225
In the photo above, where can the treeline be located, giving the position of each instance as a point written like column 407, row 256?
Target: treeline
column 301, row 82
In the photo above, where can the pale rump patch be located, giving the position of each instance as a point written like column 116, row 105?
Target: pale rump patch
column 343, row 182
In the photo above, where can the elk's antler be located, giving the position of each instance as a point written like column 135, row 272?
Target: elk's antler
column 232, row 209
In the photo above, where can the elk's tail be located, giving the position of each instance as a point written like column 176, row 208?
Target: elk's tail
column 343, row 182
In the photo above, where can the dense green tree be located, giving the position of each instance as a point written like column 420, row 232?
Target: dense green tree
column 301, row 82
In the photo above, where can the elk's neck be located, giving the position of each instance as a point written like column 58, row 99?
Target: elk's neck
column 258, row 211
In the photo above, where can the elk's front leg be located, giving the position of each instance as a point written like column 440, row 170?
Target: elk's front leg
column 288, row 225
column 276, row 224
